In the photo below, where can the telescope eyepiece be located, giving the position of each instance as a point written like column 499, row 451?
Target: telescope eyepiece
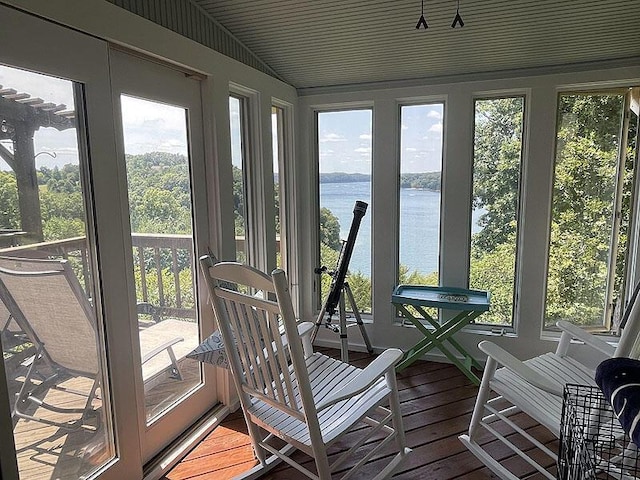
column 360, row 208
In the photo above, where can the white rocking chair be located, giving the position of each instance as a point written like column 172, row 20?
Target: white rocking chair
column 535, row 387
column 286, row 391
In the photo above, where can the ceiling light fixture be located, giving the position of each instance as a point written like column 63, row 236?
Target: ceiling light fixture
column 457, row 20
column 422, row 22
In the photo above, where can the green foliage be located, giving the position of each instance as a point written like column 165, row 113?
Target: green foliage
column 496, row 170
column 494, row 271
column 328, row 258
column 168, row 287
column 329, row 231
column 61, row 180
column 342, row 177
column 583, row 197
column 159, row 193
column 360, row 285
column 9, row 211
column 582, row 214
column 63, row 214
column 238, row 201
column 160, row 211
column 407, row 277
column 426, row 181
column 496, row 175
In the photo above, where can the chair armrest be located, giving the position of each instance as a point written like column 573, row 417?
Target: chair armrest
column 589, row 339
column 304, row 330
column 161, row 348
column 385, row 362
column 520, row 368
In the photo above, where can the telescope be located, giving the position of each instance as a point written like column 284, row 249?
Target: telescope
column 339, row 286
column 346, row 251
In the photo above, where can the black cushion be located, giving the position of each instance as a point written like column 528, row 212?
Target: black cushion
column 619, row 380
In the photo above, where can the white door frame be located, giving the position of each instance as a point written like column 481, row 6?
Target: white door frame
column 132, row 75
column 43, row 47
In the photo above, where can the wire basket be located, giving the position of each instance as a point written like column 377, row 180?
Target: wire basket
column 593, row 445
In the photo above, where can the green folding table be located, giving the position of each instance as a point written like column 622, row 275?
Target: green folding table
column 413, row 300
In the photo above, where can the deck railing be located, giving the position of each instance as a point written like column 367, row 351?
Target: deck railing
column 164, row 289
column 162, row 262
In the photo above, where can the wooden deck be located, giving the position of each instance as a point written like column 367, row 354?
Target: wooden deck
column 437, row 401
column 50, row 452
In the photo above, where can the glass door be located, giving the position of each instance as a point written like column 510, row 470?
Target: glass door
column 58, row 382
column 162, row 152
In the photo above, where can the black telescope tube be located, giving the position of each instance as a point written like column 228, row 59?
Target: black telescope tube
column 337, row 282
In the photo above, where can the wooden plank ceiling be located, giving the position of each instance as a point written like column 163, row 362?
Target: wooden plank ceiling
column 320, row 43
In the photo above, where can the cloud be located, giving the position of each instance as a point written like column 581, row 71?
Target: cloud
column 333, row 137
column 363, row 150
column 434, row 114
column 365, row 136
column 404, row 127
column 436, row 127
column 410, row 149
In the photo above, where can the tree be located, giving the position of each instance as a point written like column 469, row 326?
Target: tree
column 586, row 152
column 9, row 210
column 238, row 201
column 583, row 197
column 496, row 175
column 329, row 229
column 496, row 171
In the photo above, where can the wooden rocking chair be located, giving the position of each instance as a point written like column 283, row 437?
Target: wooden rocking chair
column 289, row 393
column 535, row 387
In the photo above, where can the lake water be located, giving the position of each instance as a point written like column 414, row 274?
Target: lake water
column 418, row 229
column 420, row 220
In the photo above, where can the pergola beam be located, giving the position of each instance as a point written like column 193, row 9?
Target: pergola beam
column 20, row 116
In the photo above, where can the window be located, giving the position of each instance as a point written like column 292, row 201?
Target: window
column 161, row 217
column 344, row 165
column 239, row 145
column 420, row 181
column 591, row 208
column 497, row 159
column 278, row 142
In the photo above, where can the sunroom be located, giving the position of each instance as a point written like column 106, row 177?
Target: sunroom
column 496, row 152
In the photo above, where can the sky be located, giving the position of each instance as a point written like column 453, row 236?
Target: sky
column 344, row 136
column 153, row 127
column 345, row 140
column 149, row 126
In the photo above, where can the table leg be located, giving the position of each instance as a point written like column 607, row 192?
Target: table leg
column 436, row 338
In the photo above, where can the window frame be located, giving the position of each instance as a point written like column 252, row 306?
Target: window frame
column 318, row 300
column 401, row 105
column 632, row 251
column 479, row 326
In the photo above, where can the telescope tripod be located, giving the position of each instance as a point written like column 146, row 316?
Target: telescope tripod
column 342, row 326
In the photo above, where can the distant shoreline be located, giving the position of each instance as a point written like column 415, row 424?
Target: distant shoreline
column 422, row 181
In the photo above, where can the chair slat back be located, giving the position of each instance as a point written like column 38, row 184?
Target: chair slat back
column 46, row 300
column 260, row 361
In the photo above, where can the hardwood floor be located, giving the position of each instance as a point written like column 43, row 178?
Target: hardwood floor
column 50, row 452
column 437, row 401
